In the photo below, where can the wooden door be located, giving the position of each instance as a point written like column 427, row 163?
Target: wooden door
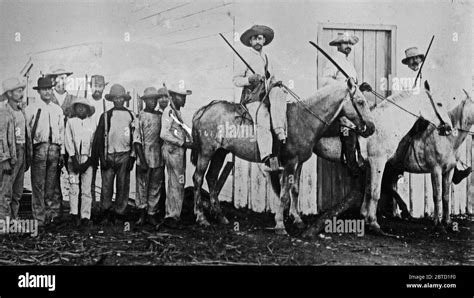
column 372, row 58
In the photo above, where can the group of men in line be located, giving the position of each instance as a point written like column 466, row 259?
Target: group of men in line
column 80, row 134
column 64, row 130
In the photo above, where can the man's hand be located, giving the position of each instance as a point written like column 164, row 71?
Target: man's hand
column 143, row 165
column 84, row 166
column 365, row 87
column 255, row 79
column 190, row 145
column 131, row 162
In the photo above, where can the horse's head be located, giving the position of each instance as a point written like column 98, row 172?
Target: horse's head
column 356, row 109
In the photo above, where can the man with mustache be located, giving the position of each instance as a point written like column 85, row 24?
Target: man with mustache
column 97, row 86
column 268, row 113
column 414, row 59
column 344, row 42
column 46, row 121
column 13, row 90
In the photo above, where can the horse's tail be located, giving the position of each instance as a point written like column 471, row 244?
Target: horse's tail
column 196, row 140
column 275, row 181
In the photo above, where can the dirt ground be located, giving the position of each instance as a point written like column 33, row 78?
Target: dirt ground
column 247, row 240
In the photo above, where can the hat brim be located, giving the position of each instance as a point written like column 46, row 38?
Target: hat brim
column 43, row 87
column 23, row 85
column 261, row 30
column 188, row 92
column 149, row 96
column 91, row 108
column 58, row 74
column 352, row 40
column 405, row 60
column 110, row 97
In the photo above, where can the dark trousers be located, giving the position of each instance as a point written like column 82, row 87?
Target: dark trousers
column 116, row 170
column 44, row 177
column 18, row 175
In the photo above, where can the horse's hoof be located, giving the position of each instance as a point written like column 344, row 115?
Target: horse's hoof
column 300, row 224
column 439, row 228
column 406, row 216
column 223, row 220
column 203, row 222
column 280, row 231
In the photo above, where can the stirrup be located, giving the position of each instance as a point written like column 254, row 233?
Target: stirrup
column 274, row 165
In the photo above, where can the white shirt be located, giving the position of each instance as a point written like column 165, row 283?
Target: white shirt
column 332, row 74
column 51, row 117
column 79, row 136
column 257, row 61
column 99, row 108
column 60, row 97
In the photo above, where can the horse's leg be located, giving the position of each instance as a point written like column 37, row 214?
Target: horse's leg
column 211, row 177
column 447, row 178
column 376, row 172
column 436, row 181
column 294, row 193
column 284, row 200
column 198, row 176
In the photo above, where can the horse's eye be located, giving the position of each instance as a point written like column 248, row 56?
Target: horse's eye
column 439, row 104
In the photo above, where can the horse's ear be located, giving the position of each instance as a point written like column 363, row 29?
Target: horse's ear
column 467, row 94
column 351, row 85
column 427, row 86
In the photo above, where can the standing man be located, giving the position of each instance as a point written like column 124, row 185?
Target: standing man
column 78, row 143
column 13, row 91
column 150, row 165
column 255, row 87
column 97, row 86
column 344, row 43
column 177, row 139
column 59, row 76
column 114, row 147
column 46, row 122
column 7, row 158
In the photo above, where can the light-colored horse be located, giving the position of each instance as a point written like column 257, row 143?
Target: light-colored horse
column 304, row 129
column 437, row 155
column 392, row 122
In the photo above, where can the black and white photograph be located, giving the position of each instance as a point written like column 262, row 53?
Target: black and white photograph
column 140, row 138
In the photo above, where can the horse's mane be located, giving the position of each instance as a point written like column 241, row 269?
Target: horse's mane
column 323, row 92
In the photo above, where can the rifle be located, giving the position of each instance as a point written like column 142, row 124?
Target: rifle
column 423, row 63
column 85, row 88
column 106, row 131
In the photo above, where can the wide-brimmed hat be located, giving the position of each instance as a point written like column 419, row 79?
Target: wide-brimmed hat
column 12, row 84
column 98, row 80
column 163, row 92
column 344, row 38
column 57, row 70
column 150, row 92
column 83, row 101
column 179, row 90
column 43, row 83
column 411, row 53
column 117, row 90
column 267, row 32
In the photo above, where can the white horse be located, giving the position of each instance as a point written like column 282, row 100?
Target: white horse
column 393, row 119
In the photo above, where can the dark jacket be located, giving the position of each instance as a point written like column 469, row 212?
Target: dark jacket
column 98, row 145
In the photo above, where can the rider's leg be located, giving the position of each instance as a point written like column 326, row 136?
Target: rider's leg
column 263, row 134
column 277, row 98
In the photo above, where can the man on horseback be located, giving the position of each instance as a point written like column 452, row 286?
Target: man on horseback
column 263, row 95
column 344, row 42
column 414, row 59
